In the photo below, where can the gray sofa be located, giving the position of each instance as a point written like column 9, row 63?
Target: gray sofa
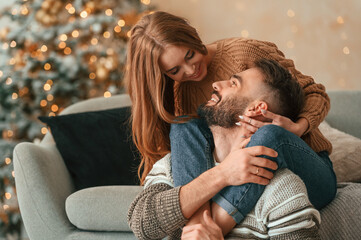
column 47, row 198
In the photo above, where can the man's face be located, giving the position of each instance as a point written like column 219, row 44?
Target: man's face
column 231, row 98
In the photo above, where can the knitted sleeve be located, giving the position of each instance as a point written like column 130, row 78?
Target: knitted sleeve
column 317, row 102
column 155, row 213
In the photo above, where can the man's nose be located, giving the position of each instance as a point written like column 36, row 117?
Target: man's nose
column 218, row 85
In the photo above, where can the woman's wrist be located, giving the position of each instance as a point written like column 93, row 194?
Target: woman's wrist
column 303, row 125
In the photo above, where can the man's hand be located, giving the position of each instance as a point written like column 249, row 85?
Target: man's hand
column 298, row 128
column 206, row 230
column 244, row 166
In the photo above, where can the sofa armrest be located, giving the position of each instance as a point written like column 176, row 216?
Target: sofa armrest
column 43, row 183
column 101, row 208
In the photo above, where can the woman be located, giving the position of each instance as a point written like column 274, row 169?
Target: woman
column 169, row 73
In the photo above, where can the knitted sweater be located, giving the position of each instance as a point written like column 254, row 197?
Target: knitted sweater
column 232, row 56
column 282, row 212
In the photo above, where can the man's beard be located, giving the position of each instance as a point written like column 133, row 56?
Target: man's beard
column 225, row 113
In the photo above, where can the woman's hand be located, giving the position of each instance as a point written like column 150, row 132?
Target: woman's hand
column 206, row 230
column 298, row 128
column 244, row 166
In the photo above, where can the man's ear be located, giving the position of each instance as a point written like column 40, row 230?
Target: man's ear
column 255, row 107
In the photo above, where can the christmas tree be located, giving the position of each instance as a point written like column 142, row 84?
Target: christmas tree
column 53, row 54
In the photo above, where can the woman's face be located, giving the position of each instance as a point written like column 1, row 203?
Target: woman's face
column 183, row 64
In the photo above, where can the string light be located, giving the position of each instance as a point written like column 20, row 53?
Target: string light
column 346, row 50
column 44, row 130
column 47, row 66
column 50, row 97
column 145, row 2
column 63, row 37
column 7, row 161
column 244, row 33
column 68, row 6
column 62, row 45
column 8, row 81
column 5, row 46
column 340, row 20
column 129, row 33
column 6, row 207
column 92, row 75
column 14, row 12
column 67, row 50
column 24, row 10
column 12, row 61
column 75, row 33
column 50, row 82
column 13, row 173
column 51, row 114
column 107, row 94
column 54, row 108
column 1, row 73
column 7, row 195
column 94, row 41
column 10, row 133
column 13, row 44
column 106, row 34
column 83, row 14
column 14, row 96
column 71, row 10
column 117, row 29
column 290, row 13
column 47, row 87
column 108, row 12
column 44, row 48
column 121, row 23
column 93, row 58
column 43, row 103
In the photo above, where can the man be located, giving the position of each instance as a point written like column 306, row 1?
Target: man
column 225, row 137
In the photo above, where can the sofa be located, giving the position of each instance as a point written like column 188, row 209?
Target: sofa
column 51, row 208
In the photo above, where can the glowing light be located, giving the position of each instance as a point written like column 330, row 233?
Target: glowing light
column 93, row 58
column 54, row 108
column 5, row 46
column 290, row 44
column 50, row 97
column 145, row 2
column 51, row 114
column 106, row 34
column 47, row 87
column 44, row 130
column 14, row 12
column 129, row 33
column 47, row 66
column 92, row 75
column 67, row 50
column 244, row 33
column 340, row 20
column 14, row 96
column 8, row 195
column 44, row 48
column 13, row 44
column 75, row 33
column 13, row 173
column 24, row 11
column 43, row 103
column 290, row 13
column 94, row 41
column 83, row 14
column 1, row 73
column 63, row 37
column 108, row 12
column 121, row 23
column 50, row 82
column 7, row 161
column 8, row 81
column 68, row 6
column 71, row 10
column 117, row 29
column 10, row 133
column 6, row 207
column 62, row 45
column 12, row 61
column 346, row 50
column 107, row 94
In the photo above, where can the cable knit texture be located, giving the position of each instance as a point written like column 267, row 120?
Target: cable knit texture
column 232, row 56
column 282, row 212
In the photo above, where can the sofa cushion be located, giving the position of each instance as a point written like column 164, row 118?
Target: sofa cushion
column 96, row 147
column 346, row 153
column 101, row 208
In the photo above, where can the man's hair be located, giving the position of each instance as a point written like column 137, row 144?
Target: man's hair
column 284, row 94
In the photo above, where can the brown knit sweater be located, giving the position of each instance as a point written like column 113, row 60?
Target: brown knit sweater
column 232, row 56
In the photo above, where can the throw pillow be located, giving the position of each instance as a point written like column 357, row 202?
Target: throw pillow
column 346, row 153
column 97, row 147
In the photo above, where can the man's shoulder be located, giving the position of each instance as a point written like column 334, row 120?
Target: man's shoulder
column 192, row 125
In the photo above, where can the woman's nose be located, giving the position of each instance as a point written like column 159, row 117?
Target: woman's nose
column 190, row 69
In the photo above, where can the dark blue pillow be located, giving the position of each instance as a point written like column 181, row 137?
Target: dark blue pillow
column 97, row 147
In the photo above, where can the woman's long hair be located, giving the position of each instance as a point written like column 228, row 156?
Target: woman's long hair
column 151, row 92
